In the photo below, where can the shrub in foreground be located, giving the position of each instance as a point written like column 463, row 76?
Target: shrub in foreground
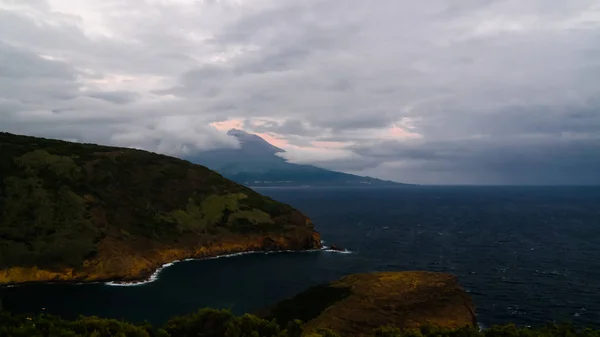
column 222, row 323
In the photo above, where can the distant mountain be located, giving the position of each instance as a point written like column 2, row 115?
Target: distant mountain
column 256, row 163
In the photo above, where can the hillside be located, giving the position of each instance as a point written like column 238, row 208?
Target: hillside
column 256, row 163
column 83, row 212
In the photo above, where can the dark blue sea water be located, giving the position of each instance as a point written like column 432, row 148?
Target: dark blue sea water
column 527, row 255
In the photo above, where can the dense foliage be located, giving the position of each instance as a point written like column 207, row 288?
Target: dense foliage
column 222, row 323
column 59, row 200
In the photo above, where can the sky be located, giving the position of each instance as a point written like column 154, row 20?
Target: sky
column 427, row 92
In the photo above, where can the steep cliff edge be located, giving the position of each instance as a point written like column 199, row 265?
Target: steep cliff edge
column 83, row 212
column 357, row 304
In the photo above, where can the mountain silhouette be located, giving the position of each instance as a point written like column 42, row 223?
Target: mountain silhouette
column 256, row 163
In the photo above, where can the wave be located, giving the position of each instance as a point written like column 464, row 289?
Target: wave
column 150, row 279
column 329, row 250
column 158, row 270
column 481, row 326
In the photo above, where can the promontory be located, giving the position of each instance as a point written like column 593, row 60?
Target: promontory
column 357, row 304
column 83, row 212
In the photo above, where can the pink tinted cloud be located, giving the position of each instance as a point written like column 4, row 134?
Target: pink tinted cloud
column 279, row 142
column 239, row 124
column 228, row 125
column 401, row 133
column 330, row 145
column 319, row 151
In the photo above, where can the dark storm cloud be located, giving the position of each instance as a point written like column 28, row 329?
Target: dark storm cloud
column 489, row 161
column 117, row 97
column 438, row 91
column 291, row 127
column 19, row 64
column 29, row 82
column 368, row 119
column 280, row 59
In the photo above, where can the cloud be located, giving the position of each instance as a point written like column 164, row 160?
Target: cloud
column 177, row 135
column 117, row 97
column 522, row 160
column 288, row 127
column 439, row 91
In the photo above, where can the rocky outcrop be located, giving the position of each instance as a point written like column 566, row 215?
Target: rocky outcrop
column 357, row 304
column 336, row 248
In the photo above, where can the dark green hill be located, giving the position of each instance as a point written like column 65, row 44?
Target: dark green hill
column 84, row 212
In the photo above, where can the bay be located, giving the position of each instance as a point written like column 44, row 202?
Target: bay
column 527, row 255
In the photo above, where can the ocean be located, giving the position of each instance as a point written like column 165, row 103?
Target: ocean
column 527, row 255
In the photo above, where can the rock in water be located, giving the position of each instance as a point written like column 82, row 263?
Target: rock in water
column 336, row 248
column 357, row 304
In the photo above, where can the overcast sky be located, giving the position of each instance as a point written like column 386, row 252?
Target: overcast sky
column 436, row 91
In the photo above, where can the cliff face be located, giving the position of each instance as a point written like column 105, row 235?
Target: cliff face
column 131, row 265
column 82, row 212
column 357, row 304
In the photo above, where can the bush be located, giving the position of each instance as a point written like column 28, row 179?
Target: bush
column 222, row 323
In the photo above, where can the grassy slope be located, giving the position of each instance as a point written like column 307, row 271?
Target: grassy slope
column 63, row 204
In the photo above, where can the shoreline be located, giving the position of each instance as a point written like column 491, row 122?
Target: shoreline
column 153, row 276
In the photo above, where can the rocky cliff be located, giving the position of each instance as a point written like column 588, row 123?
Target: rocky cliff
column 83, row 212
column 357, row 304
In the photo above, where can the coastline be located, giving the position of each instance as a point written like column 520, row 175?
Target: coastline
column 120, row 262
column 152, row 276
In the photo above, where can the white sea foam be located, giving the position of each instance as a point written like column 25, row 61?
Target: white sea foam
column 157, row 272
column 151, row 279
column 345, row 251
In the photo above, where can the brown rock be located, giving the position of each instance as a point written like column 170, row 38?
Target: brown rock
column 357, row 304
column 336, row 247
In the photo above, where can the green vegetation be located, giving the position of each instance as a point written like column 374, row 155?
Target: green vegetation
column 60, row 200
column 222, row 323
column 205, row 216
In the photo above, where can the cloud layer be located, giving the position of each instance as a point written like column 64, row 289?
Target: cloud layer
column 461, row 91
